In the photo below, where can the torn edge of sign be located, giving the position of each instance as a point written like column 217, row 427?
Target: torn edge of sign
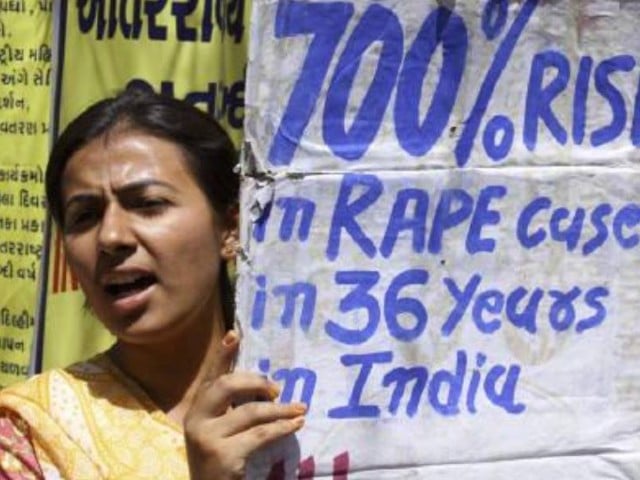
column 258, row 198
column 261, row 196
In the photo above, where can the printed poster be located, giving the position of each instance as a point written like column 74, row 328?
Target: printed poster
column 25, row 91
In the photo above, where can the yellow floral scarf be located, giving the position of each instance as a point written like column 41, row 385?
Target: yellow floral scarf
column 88, row 421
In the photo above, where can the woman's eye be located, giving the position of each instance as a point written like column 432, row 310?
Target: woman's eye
column 150, row 205
column 76, row 221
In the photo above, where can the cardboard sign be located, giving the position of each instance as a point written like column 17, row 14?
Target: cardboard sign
column 440, row 237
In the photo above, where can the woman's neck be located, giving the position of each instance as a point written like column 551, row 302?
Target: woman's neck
column 170, row 373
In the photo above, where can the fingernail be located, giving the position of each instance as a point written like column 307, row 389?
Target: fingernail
column 274, row 391
column 299, row 408
column 230, row 338
column 298, row 422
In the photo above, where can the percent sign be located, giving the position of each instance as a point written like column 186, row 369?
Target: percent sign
column 328, row 23
column 498, row 134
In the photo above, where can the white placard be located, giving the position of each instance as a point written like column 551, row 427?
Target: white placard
column 440, row 237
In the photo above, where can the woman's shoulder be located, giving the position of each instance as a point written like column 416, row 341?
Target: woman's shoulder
column 94, row 369
column 91, row 412
column 55, row 387
column 70, row 414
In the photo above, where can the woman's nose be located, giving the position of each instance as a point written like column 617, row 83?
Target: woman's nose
column 115, row 234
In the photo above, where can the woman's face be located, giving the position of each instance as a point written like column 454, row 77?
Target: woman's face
column 141, row 237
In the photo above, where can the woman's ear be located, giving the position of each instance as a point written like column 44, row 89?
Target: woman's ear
column 230, row 235
column 230, row 244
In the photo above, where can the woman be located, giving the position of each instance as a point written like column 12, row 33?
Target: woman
column 143, row 190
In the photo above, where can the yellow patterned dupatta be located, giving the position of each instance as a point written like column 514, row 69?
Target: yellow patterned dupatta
column 88, row 421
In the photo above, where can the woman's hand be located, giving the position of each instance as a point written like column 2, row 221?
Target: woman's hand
column 220, row 434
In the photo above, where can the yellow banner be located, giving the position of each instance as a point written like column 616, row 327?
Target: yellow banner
column 25, row 80
column 194, row 50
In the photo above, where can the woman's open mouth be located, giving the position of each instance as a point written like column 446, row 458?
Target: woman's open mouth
column 129, row 285
column 129, row 292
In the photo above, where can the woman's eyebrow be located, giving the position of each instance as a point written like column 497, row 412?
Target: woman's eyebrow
column 132, row 188
column 141, row 185
column 80, row 198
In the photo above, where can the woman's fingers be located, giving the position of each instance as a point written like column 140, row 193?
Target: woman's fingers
column 225, row 423
column 217, row 389
column 258, row 436
column 214, row 398
column 226, row 356
column 255, row 414
column 226, row 458
column 247, row 427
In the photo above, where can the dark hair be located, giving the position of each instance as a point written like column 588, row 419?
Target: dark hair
column 210, row 155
